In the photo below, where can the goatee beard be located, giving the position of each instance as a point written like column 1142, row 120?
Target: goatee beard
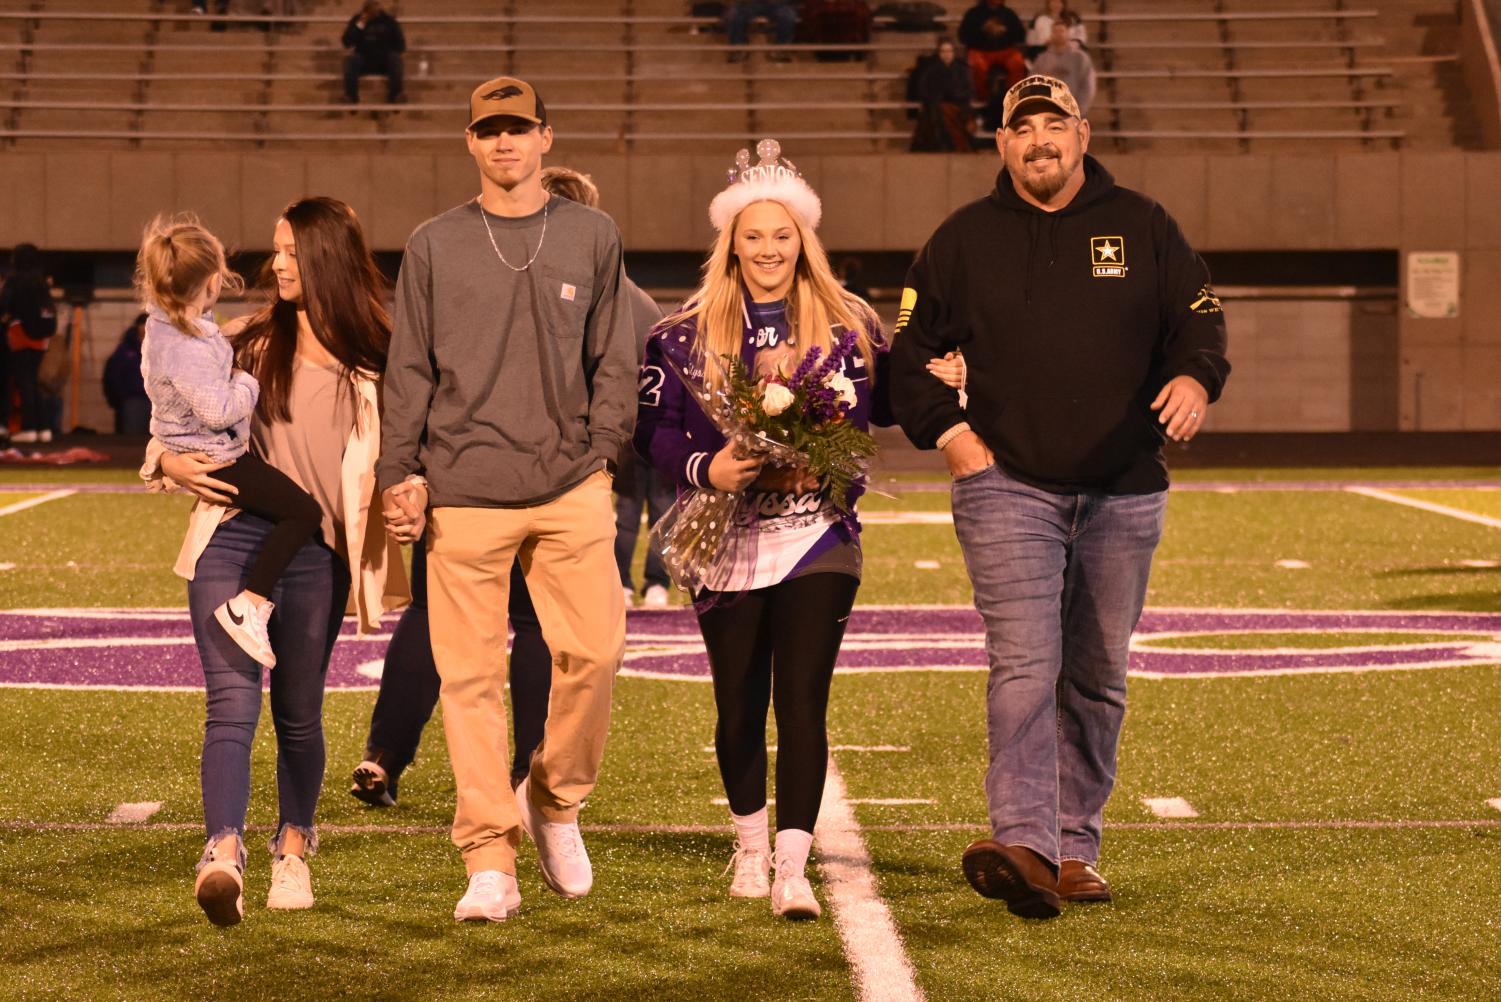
column 1044, row 187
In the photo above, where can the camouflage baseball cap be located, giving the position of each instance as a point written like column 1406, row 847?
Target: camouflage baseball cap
column 1036, row 93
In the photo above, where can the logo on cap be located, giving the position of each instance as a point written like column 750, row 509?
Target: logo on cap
column 1039, row 90
column 501, row 93
column 1108, row 255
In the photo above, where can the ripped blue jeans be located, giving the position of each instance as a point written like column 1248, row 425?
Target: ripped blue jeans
column 310, row 599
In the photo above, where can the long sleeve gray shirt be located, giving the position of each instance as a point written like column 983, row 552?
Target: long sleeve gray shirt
column 507, row 388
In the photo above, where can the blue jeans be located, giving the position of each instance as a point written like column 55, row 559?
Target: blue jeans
column 1060, row 580
column 310, row 597
column 781, row 15
column 649, row 489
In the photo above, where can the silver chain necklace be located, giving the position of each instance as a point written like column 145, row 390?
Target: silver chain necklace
column 545, row 207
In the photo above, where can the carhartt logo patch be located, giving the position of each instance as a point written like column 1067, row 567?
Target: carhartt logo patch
column 1108, row 257
column 501, row 93
column 568, row 293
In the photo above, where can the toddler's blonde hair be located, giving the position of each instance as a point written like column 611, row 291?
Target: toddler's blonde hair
column 178, row 256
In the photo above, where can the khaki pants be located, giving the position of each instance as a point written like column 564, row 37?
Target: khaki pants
column 567, row 554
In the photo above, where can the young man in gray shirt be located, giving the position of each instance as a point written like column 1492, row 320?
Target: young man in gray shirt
column 510, row 389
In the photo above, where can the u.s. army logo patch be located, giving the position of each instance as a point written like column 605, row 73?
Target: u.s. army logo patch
column 1108, row 256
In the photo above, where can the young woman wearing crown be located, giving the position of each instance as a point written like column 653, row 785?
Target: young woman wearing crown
column 773, row 621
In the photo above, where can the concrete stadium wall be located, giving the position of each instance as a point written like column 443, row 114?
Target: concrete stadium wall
column 1446, row 370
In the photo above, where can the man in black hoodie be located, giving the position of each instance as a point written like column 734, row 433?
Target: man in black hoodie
column 1091, row 334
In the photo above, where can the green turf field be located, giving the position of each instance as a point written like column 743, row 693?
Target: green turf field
column 1343, row 845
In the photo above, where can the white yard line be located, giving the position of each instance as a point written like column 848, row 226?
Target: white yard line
column 1429, row 506
column 878, row 959
column 11, row 509
column 132, row 814
column 1170, row 807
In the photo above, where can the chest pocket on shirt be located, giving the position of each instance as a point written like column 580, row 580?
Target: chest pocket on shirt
column 563, row 297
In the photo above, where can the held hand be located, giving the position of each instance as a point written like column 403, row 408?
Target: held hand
column 966, row 454
column 1183, row 403
column 405, row 509
column 728, row 472
column 949, row 370
column 191, row 470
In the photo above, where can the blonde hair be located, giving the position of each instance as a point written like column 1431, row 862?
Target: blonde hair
column 576, row 186
column 815, row 301
column 177, row 258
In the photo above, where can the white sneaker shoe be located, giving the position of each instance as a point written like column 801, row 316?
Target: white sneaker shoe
column 220, row 890
column 752, row 868
column 246, row 625
column 291, row 884
column 560, row 848
column 45, row 435
column 491, row 895
column 24, row 437
column 656, row 598
column 629, row 595
column 792, row 897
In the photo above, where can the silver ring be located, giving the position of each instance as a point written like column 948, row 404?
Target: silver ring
column 1193, row 413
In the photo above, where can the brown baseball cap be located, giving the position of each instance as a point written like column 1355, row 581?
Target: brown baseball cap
column 1036, row 93
column 506, row 96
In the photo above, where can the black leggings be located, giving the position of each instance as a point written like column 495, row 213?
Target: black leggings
column 266, row 491
column 796, row 626
column 409, row 684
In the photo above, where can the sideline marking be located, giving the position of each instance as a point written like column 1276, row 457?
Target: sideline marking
column 129, row 814
column 1294, row 565
column 1437, row 509
column 11, row 509
column 834, row 748
column 1170, row 807
column 860, row 801
column 878, row 959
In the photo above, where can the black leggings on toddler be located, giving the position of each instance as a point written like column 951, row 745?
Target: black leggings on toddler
column 266, row 491
column 777, row 645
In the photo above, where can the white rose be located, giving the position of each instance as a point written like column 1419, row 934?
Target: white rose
column 842, row 385
column 775, row 398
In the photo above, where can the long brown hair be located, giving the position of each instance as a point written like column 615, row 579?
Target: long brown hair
column 343, row 292
column 815, row 301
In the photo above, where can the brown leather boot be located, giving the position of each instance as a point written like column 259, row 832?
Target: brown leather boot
column 1015, row 874
column 1079, row 881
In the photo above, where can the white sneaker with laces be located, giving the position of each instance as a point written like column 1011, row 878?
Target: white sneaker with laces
column 656, row 598
column 246, row 625
column 630, row 596
column 752, row 868
column 560, row 848
column 219, row 889
column 792, row 897
column 491, row 895
column 291, row 884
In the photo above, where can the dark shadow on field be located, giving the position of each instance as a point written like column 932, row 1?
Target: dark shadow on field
column 1407, row 572
column 1449, row 601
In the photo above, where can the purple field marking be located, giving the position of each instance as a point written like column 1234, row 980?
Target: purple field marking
column 91, row 488
column 122, row 648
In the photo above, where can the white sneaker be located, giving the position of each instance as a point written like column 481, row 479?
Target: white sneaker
column 220, row 890
column 246, row 625
column 751, row 867
column 491, row 895
column 630, row 596
column 560, row 848
column 291, row 884
column 45, row 435
column 24, row 437
column 656, row 598
column 792, row 897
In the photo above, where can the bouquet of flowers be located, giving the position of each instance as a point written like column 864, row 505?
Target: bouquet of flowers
column 789, row 420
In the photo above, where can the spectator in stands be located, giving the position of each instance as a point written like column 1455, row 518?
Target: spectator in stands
column 27, row 321
column 124, row 389
column 1042, row 27
column 943, row 90
column 993, row 34
column 780, row 13
column 373, row 44
column 1067, row 62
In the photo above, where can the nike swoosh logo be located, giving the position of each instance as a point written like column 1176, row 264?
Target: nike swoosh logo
column 237, row 620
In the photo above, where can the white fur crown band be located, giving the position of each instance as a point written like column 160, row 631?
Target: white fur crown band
column 771, row 180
